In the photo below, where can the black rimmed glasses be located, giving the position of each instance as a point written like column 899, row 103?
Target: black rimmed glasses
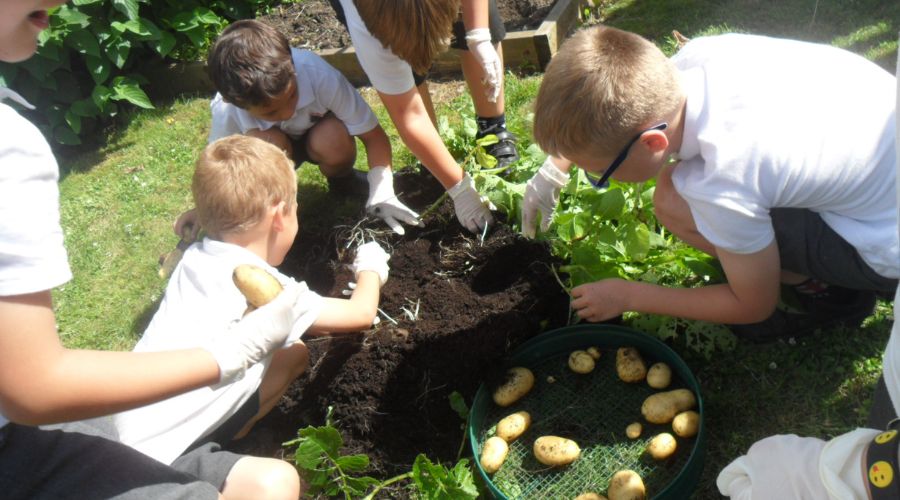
column 603, row 180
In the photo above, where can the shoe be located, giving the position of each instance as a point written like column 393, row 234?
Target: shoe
column 504, row 150
column 817, row 313
column 353, row 184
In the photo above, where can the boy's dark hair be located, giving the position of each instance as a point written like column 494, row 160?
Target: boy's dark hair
column 250, row 63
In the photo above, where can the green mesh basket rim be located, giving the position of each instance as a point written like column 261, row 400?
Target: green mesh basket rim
column 564, row 340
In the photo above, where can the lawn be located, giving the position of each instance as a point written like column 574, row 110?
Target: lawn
column 119, row 200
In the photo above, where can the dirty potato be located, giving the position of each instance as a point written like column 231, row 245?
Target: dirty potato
column 519, row 380
column 662, row 446
column 493, row 453
column 258, row 286
column 556, row 451
column 633, row 431
column 659, row 376
column 594, row 352
column 581, row 362
column 661, row 408
column 590, row 495
column 686, row 424
column 630, row 365
column 512, row 426
column 626, row 485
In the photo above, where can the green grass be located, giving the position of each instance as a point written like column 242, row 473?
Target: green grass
column 118, row 204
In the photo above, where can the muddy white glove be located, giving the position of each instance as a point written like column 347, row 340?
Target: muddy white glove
column 258, row 334
column 383, row 203
column 371, row 257
column 542, row 195
column 479, row 43
column 472, row 209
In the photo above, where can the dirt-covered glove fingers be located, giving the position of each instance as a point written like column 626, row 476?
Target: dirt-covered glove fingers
column 371, row 257
column 482, row 48
column 472, row 209
column 186, row 226
column 257, row 334
column 542, row 195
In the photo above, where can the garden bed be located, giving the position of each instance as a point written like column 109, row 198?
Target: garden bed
column 389, row 388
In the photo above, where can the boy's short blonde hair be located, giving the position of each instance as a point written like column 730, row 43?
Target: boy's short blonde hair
column 414, row 30
column 250, row 63
column 602, row 86
column 237, row 179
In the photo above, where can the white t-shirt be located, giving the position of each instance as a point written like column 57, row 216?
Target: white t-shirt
column 386, row 71
column 320, row 89
column 32, row 255
column 200, row 304
column 779, row 123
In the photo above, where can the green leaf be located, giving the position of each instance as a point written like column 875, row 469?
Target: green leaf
column 117, row 50
column 435, row 482
column 458, row 403
column 353, row 463
column 357, row 486
column 84, row 42
column 74, row 121
column 101, row 96
column 72, row 17
column 84, row 107
column 99, row 68
column 206, row 16
column 327, row 438
column 128, row 7
column 164, row 45
column 126, row 89
column 63, row 134
column 86, row 2
column 184, row 21
column 637, row 240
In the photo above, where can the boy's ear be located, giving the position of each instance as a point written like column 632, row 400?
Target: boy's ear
column 655, row 141
column 278, row 212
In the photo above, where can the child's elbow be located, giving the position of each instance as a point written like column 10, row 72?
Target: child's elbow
column 757, row 312
column 23, row 413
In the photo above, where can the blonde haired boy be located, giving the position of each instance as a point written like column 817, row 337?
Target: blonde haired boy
column 775, row 156
column 245, row 194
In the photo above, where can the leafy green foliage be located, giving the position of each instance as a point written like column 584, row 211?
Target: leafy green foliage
column 90, row 61
column 436, row 482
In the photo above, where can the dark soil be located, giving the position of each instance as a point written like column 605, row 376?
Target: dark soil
column 389, row 388
column 311, row 24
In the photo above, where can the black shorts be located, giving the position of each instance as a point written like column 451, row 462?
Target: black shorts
column 495, row 24
column 808, row 246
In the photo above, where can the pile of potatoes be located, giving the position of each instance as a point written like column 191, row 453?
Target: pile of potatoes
column 675, row 407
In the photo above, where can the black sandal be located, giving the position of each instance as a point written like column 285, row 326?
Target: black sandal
column 504, row 150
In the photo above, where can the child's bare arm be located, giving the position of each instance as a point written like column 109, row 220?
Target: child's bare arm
column 42, row 382
column 749, row 295
column 378, row 147
column 353, row 314
column 274, row 136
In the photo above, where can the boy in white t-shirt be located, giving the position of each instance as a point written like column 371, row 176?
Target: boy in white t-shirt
column 245, row 193
column 42, row 382
column 775, row 156
column 297, row 101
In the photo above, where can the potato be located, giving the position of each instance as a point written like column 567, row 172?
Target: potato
column 493, row 453
column 594, row 352
column 258, row 286
column 633, row 431
column 659, row 376
column 519, row 380
column 512, row 426
column 661, row 408
column 626, row 485
column 662, row 446
column 686, row 424
column 581, row 362
column 590, row 495
column 556, row 451
column 630, row 365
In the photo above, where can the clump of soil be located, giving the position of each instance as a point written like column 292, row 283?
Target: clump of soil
column 470, row 304
column 312, row 24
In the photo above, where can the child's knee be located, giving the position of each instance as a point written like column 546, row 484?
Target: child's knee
column 279, row 480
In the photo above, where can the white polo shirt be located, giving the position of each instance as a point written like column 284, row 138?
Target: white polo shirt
column 386, row 71
column 780, row 123
column 32, row 255
column 321, row 89
column 200, row 305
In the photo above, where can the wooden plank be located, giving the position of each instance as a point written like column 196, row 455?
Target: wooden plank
column 560, row 22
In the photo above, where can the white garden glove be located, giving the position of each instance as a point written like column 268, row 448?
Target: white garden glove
column 371, row 257
column 383, row 203
column 472, row 209
column 479, row 42
column 542, row 195
column 258, row 334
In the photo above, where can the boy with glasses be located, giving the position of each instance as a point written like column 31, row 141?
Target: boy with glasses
column 774, row 156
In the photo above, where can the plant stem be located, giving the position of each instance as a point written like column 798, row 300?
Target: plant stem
column 434, row 205
column 387, row 482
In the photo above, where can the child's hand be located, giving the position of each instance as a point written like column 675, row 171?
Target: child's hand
column 259, row 333
column 186, row 226
column 383, row 203
column 542, row 196
column 600, row 300
column 371, row 257
column 472, row 209
column 479, row 42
